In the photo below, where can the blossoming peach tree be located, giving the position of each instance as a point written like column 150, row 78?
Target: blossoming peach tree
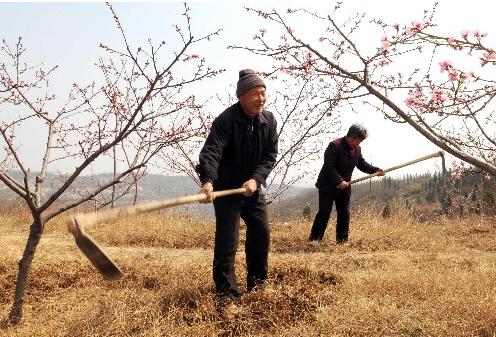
column 139, row 109
column 441, row 85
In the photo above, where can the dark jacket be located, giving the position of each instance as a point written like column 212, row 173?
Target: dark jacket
column 239, row 148
column 339, row 161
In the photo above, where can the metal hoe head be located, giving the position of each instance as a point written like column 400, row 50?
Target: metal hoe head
column 93, row 252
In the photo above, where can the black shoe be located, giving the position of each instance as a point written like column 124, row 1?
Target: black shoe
column 256, row 287
column 255, row 284
column 341, row 241
column 313, row 242
column 223, row 300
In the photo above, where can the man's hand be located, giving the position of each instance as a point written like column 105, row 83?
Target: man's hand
column 343, row 185
column 251, row 186
column 207, row 189
column 380, row 172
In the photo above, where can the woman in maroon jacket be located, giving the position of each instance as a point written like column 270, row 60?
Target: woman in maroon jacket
column 340, row 158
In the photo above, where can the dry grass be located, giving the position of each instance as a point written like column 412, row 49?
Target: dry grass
column 397, row 277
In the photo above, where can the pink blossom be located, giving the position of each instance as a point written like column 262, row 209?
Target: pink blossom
column 466, row 75
column 385, row 43
column 321, row 39
column 438, row 96
column 383, row 63
column 418, row 25
column 478, row 35
column 465, row 33
column 451, row 40
column 409, row 100
column 445, row 65
column 456, row 175
column 458, row 170
column 489, row 56
column 452, row 75
column 191, row 57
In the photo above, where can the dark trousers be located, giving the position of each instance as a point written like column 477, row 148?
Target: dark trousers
column 228, row 211
column 326, row 200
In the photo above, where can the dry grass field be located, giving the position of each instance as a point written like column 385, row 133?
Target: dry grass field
column 396, row 277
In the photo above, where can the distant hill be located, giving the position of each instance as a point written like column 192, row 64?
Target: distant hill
column 151, row 187
column 424, row 195
column 421, row 194
column 372, row 194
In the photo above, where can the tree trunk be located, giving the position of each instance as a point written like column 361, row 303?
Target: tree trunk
column 135, row 201
column 35, row 233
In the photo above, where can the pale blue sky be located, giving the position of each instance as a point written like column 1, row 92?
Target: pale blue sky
column 69, row 34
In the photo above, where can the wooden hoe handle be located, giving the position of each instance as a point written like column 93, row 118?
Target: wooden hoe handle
column 88, row 220
column 432, row 155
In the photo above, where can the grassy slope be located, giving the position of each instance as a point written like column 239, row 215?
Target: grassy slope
column 396, row 278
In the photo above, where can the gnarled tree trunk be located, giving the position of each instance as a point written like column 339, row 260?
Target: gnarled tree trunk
column 35, row 233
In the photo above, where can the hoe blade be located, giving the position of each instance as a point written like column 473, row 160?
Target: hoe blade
column 95, row 254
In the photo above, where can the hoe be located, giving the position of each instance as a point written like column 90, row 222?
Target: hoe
column 78, row 223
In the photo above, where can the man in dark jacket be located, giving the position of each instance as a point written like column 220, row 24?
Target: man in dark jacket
column 240, row 151
column 340, row 158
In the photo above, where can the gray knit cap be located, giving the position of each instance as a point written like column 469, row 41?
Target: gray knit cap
column 248, row 80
